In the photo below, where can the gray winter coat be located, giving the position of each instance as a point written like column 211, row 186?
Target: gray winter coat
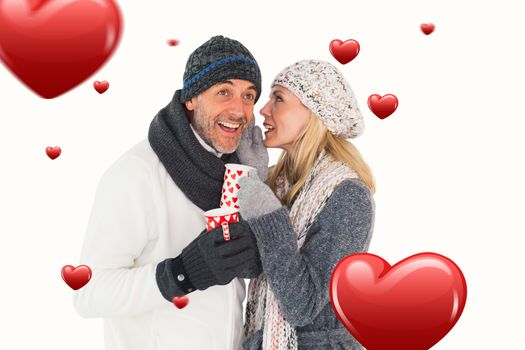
column 300, row 279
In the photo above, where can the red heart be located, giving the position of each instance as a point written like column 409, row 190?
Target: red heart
column 173, row 42
column 228, row 170
column 233, row 176
column 228, row 183
column 224, row 196
column 101, row 86
column 223, row 190
column 382, row 107
column 344, row 52
column 427, row 28
column 230, row 189
column 225, row 177
column 239, row 172
column 236, row 206
column 52, row 46
column 53, row 152
column 235, row 199
column 229, row 203
column 237, row 185
column 409, row 306
column 180, row 302
column 76, row 277
column 221, row 203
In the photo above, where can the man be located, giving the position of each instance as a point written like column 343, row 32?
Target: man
column 142, row 241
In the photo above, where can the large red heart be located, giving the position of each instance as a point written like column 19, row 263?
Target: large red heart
column 382, row 107
column 409, row 306
column 52, row 46
column 344, row 52
column 76, row 277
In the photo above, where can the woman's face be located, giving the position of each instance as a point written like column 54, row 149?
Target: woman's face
column 285, row 117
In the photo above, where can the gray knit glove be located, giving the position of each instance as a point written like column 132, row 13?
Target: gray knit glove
column 252, row 152
column 256, row 198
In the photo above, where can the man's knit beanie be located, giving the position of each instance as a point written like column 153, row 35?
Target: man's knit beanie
column 323, row 89
column 215, row 61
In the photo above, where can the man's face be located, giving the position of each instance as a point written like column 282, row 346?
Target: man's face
column 222, row 113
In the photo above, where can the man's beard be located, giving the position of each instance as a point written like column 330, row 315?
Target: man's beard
column 205, row 127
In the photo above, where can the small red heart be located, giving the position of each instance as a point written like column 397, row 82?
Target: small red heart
column 233, row 176
column 173, row 42
column 230, row 189
column 53, row 152
column 101, row 86
column 221, row 203
column 228, row 203
column 235, row 199
column 410, row 306
column 180, row 302
column 344, row 52
column 224, row 196
column 427, row 28
column 76, row 277
column 239, row 172
column 382, row 107
column 237, row 185
column 228, row 183
column 236, row 206
column 225, row 177
column 228, row 171
column 52, row 46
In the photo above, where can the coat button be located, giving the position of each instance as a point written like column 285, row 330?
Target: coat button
column 180, row 277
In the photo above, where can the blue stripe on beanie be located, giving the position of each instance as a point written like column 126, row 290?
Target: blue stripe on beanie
column 206, row 69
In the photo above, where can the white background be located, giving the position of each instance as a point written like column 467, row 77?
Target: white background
column 448, row 163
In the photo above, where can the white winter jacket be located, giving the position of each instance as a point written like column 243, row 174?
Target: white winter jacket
column 139, row 218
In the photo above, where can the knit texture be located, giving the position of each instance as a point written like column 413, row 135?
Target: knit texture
column 197, row 172
column 294, row 291
column 215, row 61
column 324, row 90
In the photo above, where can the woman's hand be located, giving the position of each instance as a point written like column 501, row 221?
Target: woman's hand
column 252, row 152
column 255, row 198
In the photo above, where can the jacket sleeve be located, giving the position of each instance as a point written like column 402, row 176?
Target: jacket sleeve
column 120, row 224
column 300, row 279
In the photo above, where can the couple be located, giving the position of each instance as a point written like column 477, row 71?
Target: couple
column 298, row 218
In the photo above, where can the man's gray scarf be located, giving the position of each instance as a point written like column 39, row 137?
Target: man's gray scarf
column 197, row 172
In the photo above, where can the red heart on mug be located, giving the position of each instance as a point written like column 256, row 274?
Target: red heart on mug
column 384, row 106
column 53, row 152
column 233, row 176
column 52, row 46
column 76, row 277
column 236, row 206
column 239, row 172
column 411, row 305
column 228, row 203
column 230, row 189
column 427, row 28
column 180, row 302
column 237, row 185
column 235, row 199
column 344, row 52
column 101, row 86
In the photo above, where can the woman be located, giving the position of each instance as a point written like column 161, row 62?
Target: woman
column 322, row 209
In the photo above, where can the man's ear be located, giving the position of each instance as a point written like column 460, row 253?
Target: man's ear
column 190, row 104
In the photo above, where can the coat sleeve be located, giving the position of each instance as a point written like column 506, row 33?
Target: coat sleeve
column 118, row 230
column 300, row 279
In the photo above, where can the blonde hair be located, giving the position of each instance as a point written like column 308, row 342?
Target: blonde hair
column 298, row 163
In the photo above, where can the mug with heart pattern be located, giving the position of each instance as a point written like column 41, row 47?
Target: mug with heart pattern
column 231, row 186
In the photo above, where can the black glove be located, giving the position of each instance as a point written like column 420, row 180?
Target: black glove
column 210, row 260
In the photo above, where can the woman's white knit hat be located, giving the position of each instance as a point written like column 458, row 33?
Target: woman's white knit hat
column 323, row 89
